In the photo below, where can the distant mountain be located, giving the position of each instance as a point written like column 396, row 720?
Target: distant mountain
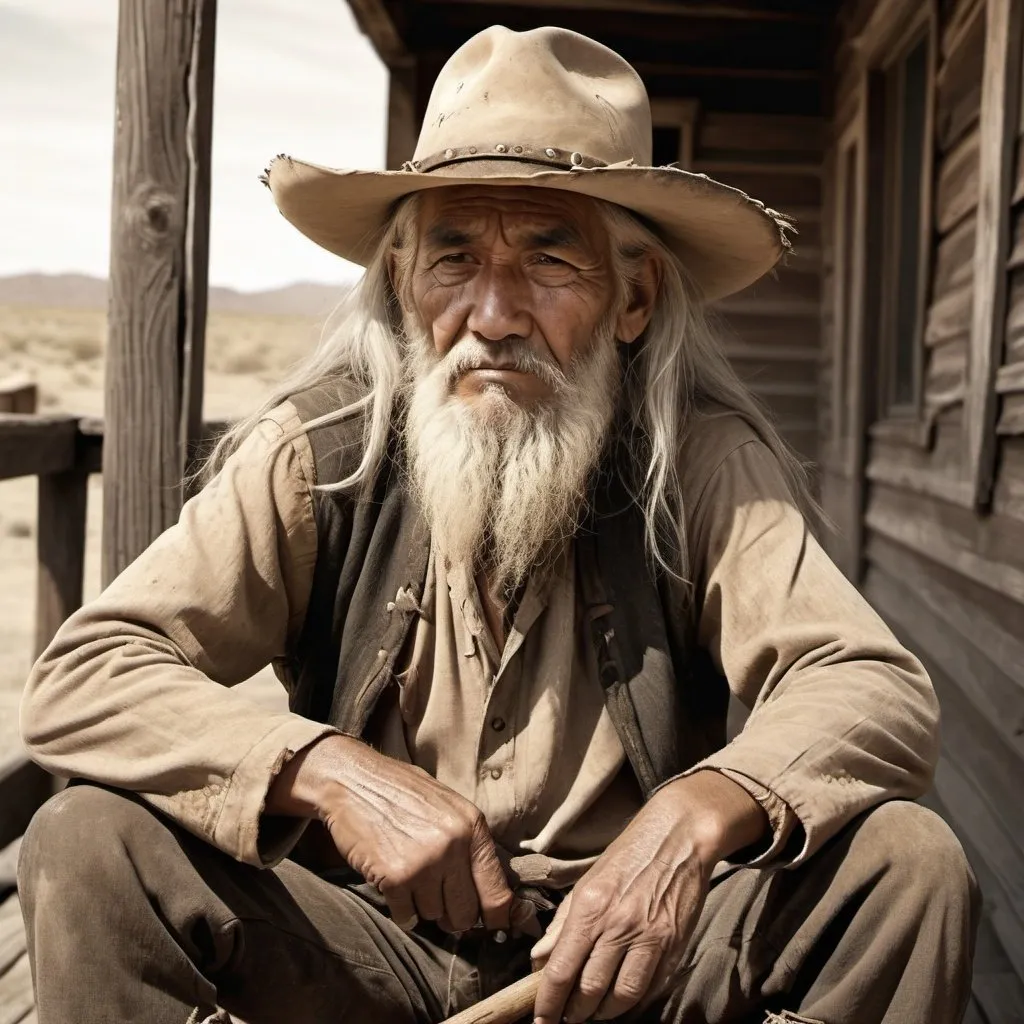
column 77, row 291
column 304, row 298
column 80, row 291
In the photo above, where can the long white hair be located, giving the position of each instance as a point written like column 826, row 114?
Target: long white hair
column 679, row 373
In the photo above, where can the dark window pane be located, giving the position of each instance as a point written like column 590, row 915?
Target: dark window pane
column 912, row 143
column 849, row 244
column 666, row 144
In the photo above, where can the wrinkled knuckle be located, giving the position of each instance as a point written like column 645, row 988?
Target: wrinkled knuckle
column 590, row 899
column 459, row 830
column 449, row 824
column 629, row 987
column 592, row 987
column 558, row 972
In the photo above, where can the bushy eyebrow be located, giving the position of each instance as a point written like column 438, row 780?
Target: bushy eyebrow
column 442, row 235
column 562, row 236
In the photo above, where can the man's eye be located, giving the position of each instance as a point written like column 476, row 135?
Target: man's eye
column 455, row 257
column 550, row 261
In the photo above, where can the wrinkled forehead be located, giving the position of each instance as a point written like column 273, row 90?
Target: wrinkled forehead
column 517, row 215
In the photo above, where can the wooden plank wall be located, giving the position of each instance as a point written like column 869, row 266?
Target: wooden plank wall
column 772, row 329
column 948, row 577
column 1009, row 491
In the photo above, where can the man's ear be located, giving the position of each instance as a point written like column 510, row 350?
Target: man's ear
column 633, row 320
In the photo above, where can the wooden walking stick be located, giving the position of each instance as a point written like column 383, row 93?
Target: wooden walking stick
column 505, row 1006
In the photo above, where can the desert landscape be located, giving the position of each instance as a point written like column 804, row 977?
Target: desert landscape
column 53, row 332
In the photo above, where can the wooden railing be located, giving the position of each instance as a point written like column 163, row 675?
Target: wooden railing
column 61, row 451
column 55, row 450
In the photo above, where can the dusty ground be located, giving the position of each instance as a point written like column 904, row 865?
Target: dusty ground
column 62, row 350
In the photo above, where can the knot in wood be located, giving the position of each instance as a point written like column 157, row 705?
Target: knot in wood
column 152, row 214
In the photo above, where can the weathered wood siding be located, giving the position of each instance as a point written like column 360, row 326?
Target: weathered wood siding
column 946, row 572
column 1009, row 490
column 772, row 330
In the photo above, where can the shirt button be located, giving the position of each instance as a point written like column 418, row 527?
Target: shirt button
column 497, row 723
column 495, row 774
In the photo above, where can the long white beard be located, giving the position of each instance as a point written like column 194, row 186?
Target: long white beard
column 500, row 485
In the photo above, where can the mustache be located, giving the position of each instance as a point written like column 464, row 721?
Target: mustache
column 513, row 354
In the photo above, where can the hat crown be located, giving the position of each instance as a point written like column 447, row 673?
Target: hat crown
column 546, row 88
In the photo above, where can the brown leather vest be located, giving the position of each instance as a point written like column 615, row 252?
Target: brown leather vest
column 664, row 697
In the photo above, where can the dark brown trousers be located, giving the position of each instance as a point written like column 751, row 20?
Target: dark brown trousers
column 130, row 919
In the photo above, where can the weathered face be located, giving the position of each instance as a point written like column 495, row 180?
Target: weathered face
column 522, row 273
column 512, row 317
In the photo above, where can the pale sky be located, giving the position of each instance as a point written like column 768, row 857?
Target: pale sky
column 292, row 76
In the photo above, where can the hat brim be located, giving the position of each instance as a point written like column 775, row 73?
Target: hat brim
column 724, row 238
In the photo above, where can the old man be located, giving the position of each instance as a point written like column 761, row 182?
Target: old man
column 510, row 538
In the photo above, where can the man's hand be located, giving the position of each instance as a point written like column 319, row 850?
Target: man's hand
column 625, row 927
column 426, row 848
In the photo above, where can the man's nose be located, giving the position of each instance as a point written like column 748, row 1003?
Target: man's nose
column 499, row 308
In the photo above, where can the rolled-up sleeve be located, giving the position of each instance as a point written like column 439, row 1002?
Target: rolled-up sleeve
column 842, row 716
column 134, row 691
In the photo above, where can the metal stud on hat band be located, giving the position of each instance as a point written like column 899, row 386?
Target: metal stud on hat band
column 549, row 156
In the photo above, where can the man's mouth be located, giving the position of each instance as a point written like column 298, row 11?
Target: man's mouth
column 496, row 374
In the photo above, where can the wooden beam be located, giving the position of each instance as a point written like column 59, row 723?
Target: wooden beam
column 655, row 37
column 9, row 865
column 1000, row 97
column 403, row 113
column 684, row 70
column 375, row 22
column 24, row 788
column 18, row 393
column 742, row 11
column 885, row 30
column 60, row 550
column 158, row 266
column 32, row 444
column 750, row 133
column 199, row 140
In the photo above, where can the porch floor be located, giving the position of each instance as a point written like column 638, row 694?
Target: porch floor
column 17, row 1005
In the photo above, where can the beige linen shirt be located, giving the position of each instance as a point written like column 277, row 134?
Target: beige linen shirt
column 135, row 691
column 522, row 732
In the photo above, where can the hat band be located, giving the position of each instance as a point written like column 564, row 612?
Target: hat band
column 548, row 156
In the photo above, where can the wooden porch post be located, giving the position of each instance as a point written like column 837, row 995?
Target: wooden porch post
column 158, row 267
column 403, row 116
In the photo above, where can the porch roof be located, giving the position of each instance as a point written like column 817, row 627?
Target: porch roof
column 756, row 56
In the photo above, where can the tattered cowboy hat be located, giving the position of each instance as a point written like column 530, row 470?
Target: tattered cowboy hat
column 547, row 108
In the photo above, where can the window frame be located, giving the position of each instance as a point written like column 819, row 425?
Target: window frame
column 895, row 416
column 848, row 305
column 1002, row 99
column 681, row 114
